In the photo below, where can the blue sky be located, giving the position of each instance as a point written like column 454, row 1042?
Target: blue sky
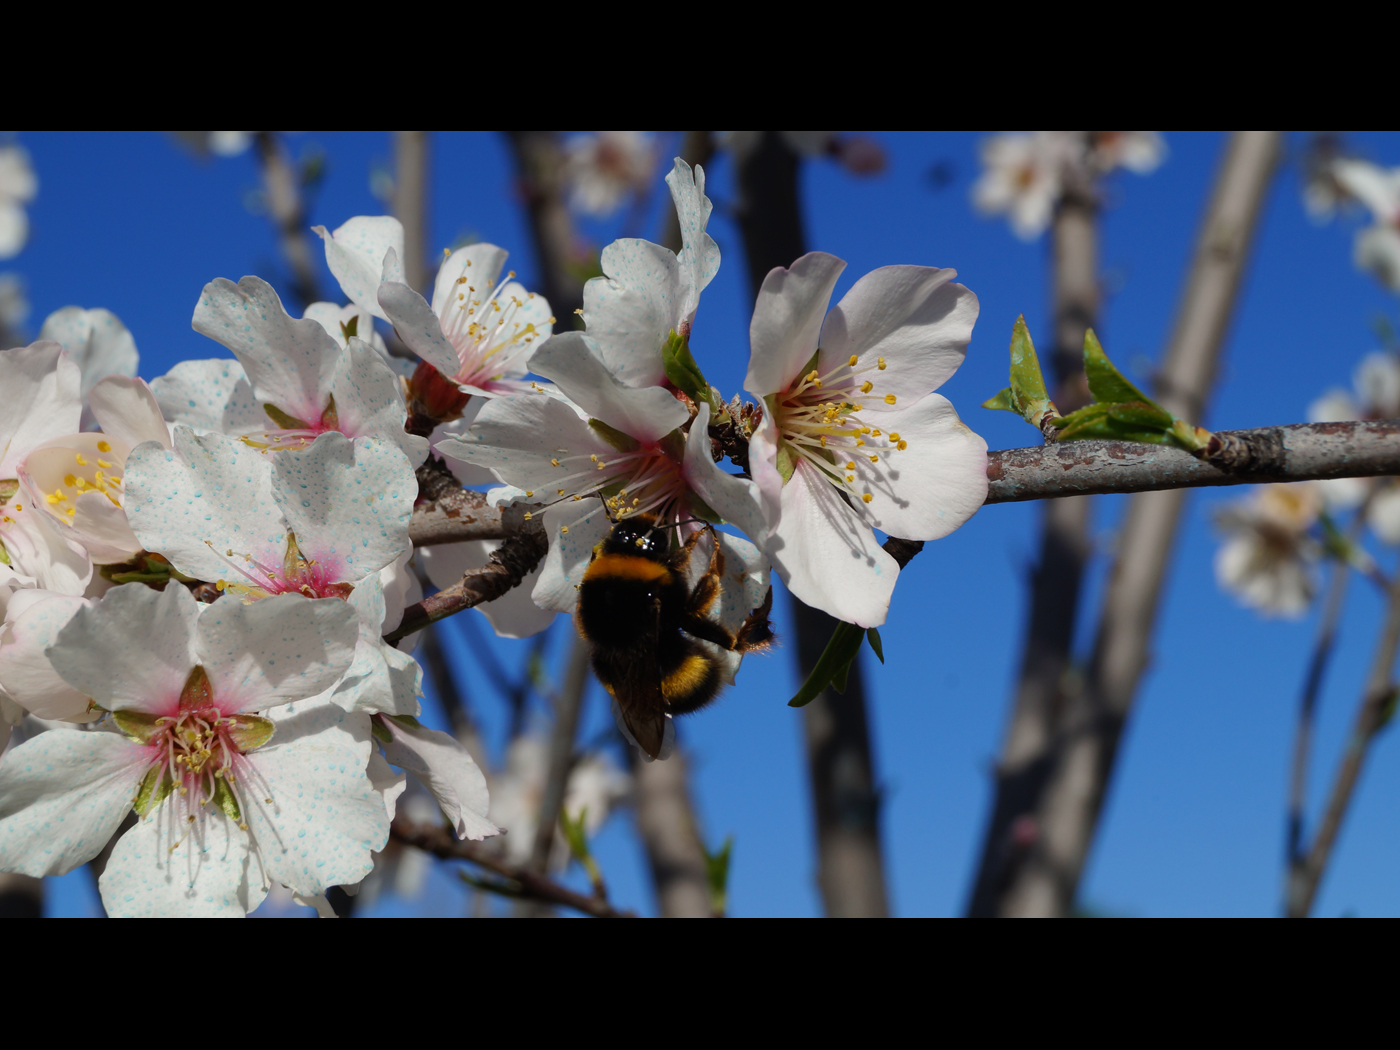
column 1194, row 823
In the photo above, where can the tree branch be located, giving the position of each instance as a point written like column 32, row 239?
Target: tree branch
column 1376, row 699
column 440, row 843
column 1066, row 782
column 510, row 563
column 1300, row 452
column 288, row 211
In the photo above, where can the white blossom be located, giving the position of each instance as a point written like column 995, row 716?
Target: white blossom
column 1268, row 559
column 18, row 186
column 604, row 167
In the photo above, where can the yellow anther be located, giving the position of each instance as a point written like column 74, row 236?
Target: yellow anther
column 462, row 279
column 219, row 585
column 859, row 442
column 528, row 493
column 560, row 491
column 867, row 497
column 889, row 399
column 601, row 465
column 593, row 458
column 102, row 446
column 82, row 462
column 70, row 481
column 511, row 274
column 852, row 361
column 823, row 438
column 578, row 310
column 882, row 364
column 850, row 477
column 57, row 497
column 528, row 515
column 576, row 498
column 100, row 462
column 850, row 466
column 902, row 445
column 563, row 528
column 866, row 387
column 894, row 436
column 873, row 459
column 553, row 462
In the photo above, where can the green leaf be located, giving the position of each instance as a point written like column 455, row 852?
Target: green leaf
column 1026, row 394
column 351, row 328
column 380, row 733
column 717, row 874
column 1004, row 402
column 835, row 659
column 1027, row 380
column 614, row 437
column 251, row 731
column 1106, row 383
column 1141, row 414
column 682, row 370
column 701, row 509
column 838, row 680
column 4, row 555
column 155, row 785
column 873, row 636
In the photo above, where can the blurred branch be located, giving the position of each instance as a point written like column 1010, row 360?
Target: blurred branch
column 1065, row 543
column 845, row 802
column 287, row 208
column 1307, row 712
column 667, row 827
column 1376, row 708
column 440, row 843
column 1036, row 867
column 539, row 167
column 411, row 203
column 567, row 707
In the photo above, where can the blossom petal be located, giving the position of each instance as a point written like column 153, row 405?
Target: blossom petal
column 827, row 555
column 210, row 395
column 97, row 341
column 127, row 410
column 355, row 254
column 520, row 438
column 369, row 400
column 34, row 619
column 479, row 263
column 388, row 783
column 417, row 325
column 348, row 502
column 288, row 361
column 273, row 651
column 763, row 455
column 934, row 485
column 326, row 818
column 63, row 795
column 207, row 495
column 39, row 384
column 37, row 548
column 787, row 319
column 910, row 315
column 164, row 869
column 447, row 769
column 572, row 361
column 699, row 255
column 102, row 655
column 736, row 499
column 632, row 311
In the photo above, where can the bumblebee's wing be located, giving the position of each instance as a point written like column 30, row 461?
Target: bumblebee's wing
column 633, row 676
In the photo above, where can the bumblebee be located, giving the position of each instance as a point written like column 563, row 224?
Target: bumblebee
column 647, row 624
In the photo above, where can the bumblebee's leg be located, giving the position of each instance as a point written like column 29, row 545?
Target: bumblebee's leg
column 706, row 591
column 756, row 632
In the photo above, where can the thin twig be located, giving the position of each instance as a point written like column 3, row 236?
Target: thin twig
column 440, row 843
column 1376, row 698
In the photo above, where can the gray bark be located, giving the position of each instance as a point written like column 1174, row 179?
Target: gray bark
column 1047, row 851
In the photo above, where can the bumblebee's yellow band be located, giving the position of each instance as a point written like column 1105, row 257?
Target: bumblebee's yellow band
column 626, row 567
column 686, row 678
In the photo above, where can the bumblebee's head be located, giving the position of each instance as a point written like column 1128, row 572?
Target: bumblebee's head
column 639, row 535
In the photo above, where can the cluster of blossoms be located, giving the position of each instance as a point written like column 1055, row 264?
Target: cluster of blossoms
column 1024, row 174
column 197, row 575
column 1343, row 180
